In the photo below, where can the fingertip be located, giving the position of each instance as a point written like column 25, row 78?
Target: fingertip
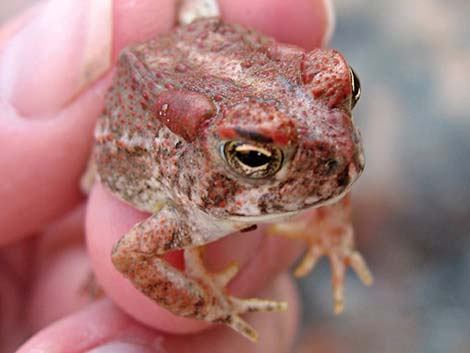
column 67, row 45
column 96, row 324
column 308, row 24
column 13, row 25
column 103, row 326
column 137, row 21
column 330, row 21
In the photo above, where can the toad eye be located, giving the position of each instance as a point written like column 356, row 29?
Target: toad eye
column 252, row 161
column 356, row 87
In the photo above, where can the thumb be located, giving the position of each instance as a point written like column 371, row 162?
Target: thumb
column 68, row 44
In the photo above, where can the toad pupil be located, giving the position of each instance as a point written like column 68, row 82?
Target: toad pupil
column 252, row 158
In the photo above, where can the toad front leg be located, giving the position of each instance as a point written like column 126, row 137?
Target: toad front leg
column 194, row 292
column 328, row 231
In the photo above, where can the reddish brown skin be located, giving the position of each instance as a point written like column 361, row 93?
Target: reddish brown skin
column 180, row 96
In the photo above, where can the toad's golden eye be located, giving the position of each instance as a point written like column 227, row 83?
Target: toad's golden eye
column 252, row 161
column 356, row 88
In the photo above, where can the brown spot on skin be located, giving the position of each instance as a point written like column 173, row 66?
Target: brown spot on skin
column 249, row 229
column 343, row 178
column 263, row 204
column 199, row 306
column 224, row 320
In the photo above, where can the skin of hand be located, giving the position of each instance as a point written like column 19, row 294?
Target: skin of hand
column 56, row 63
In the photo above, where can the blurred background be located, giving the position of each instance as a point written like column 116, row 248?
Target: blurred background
column 412, row 205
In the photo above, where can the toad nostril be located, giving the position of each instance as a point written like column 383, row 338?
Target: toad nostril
column 331, row 165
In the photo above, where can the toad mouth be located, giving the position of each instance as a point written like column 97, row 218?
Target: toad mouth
column 264, row 218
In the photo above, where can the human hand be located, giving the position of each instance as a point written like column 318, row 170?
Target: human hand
column 55, row 66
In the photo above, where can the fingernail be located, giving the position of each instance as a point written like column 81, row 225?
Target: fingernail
column 330, row 21
column 123, row 347
column 67, row 46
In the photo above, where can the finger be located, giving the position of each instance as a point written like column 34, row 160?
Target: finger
column 61, row 271
column 12, row 26
column 40, row 279
column 261, row 259
column 68, row 45
column 12, row 293
column 103, row 328
column 41, row 162
column 309, row 23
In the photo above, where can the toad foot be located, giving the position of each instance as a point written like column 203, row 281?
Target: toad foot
column 328, row 232
column 232, row 307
